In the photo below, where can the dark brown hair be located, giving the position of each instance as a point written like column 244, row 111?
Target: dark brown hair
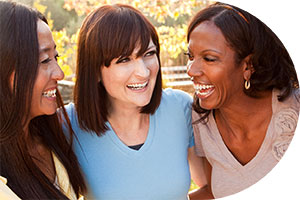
column 109, row 32
column 247, row 35
column 19, row 57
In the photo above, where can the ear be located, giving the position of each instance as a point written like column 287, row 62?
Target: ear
column 248, row 68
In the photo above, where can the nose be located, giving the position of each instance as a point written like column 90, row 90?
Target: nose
column 57, row 73
column 194, row 68
column 141, row 69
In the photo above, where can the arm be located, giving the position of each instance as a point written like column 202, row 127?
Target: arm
column 201, row 172
column 197, row 167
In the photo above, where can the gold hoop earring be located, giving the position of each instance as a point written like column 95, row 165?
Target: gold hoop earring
column 247, row 85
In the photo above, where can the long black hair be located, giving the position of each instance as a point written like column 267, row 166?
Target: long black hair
column 19, row 59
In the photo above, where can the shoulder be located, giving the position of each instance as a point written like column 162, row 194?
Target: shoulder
column 195, row 116
column 176, row 96
column 287, row 110
column 285, row 119
column 70, row 107
column 296, row 97
column 71, row 110
column 292, row 101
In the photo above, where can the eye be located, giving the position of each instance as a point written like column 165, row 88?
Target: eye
column 189, row 56
column 150, row 53
column 46, row 61
column 209, row 59
column 123, row 60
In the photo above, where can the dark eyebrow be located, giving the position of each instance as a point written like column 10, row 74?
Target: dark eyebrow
column 206, row 50
column 216, row 51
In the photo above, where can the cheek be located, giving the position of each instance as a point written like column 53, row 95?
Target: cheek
column 153, row 66
column 112, row 78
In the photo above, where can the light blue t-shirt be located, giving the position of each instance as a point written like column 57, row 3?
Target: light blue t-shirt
column 159, row 170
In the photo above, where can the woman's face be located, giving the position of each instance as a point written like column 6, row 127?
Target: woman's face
column 129, row 81
column 45, row 86
column 217, row 79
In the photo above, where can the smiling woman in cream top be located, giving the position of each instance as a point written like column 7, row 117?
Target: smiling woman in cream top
column 246, row 101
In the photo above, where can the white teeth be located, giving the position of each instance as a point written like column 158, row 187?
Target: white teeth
column 137, row 86
column 202, row 93
column 202, row 87
column 50, row 93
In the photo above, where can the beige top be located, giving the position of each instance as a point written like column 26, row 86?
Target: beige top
column 62, row 182
column 228, row 175
column 5, row 192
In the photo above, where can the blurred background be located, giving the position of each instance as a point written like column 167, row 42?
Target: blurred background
column 170, row 17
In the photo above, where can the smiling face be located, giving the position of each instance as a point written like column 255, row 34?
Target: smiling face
column 45, row 86
column 129, row 81
column 217, row 78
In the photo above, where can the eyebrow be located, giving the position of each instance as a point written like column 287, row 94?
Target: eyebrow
column 45, row 50
column 152, row 46
column 212, row 50
column 206, row 50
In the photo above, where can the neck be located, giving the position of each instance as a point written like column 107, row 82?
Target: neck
column 128, row 120
column 245, row 115
column 130, row 125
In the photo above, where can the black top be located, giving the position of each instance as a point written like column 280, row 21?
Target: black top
column 136, row 147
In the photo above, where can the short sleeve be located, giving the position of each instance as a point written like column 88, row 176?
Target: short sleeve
column 197, row 138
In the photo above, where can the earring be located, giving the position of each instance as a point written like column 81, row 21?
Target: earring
column 247, row 84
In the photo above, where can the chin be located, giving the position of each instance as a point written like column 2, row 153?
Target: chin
column 50, row 111
column 142, row 104
column 206, row 106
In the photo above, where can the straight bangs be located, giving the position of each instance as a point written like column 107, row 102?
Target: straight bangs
column 107, row 33
column 125, row 30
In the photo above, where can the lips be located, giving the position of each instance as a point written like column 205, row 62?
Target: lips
column 204, row 90
column 137, row 86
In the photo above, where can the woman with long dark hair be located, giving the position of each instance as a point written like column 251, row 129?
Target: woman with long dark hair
column 36, row 158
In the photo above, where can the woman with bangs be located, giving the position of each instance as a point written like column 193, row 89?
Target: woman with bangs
column 135, row 140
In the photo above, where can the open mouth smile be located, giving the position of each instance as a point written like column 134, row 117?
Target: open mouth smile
column 137, row 86
column 203, row 91
column 49, row 93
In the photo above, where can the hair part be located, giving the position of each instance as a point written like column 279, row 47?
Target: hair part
column 247, row 35
column 109, row 32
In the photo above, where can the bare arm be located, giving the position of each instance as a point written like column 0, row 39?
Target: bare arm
column 201, row 172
